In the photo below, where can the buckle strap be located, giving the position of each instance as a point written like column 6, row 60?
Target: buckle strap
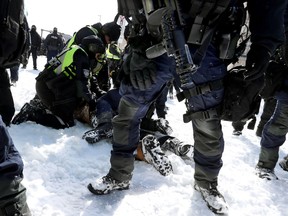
column 207, row 114
column 200, row 89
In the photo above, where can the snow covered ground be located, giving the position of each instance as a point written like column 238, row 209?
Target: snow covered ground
column 59, row 165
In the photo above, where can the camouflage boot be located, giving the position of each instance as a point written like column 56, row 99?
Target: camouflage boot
column 179, row 148
column 155, row 156
column 103, row 131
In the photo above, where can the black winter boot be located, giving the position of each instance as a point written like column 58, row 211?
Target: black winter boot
column 24, row 114
column 213, row 198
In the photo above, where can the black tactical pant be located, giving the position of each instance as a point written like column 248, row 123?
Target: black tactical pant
column 274, row 133
column 269, row 107
column 13, row 198
column 7, row 109
column 12, row 192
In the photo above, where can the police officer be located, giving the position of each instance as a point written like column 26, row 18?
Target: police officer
column 12, row 192
column 35, row 45
column 109, row 34
column 146, row 77
column 63, row 85
column 53, row 44
column 275, row 130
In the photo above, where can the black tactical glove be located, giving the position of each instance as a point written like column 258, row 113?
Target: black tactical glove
column 256, row 63
column 142, row 71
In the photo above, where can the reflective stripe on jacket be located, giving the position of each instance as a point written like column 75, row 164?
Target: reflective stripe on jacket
column 63, row 62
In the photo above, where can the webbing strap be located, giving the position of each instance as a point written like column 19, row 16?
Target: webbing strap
column 205, row 13
column 200, row 89
column 207, row 114
column 207, row 8
column 201, row 33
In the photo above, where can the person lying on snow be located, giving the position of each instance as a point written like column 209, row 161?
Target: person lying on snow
column 155, row 134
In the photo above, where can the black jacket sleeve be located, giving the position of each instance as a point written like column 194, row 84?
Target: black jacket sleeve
column 266, row 22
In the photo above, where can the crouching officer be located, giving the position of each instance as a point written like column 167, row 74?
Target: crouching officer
column 63, row 85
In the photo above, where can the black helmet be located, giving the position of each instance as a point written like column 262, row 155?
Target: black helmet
column 112, row 29
column 97, row 26
column 93, row 44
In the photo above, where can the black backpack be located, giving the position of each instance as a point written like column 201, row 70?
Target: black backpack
column 13, row 32
column 242, row 99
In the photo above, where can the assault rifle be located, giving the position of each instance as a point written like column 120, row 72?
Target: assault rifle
column 173, row 40
column 170, row 18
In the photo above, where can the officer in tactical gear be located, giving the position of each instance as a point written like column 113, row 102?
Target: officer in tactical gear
column 53, row 44
column 96, row 66
column 35, row 45
column 13, row 30
column 63, row 85
column 109, row 34
column 199, row 35
column 275, row 130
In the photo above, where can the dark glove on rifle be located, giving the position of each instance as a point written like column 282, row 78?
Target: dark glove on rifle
column 256, row 63
column 142, row 71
